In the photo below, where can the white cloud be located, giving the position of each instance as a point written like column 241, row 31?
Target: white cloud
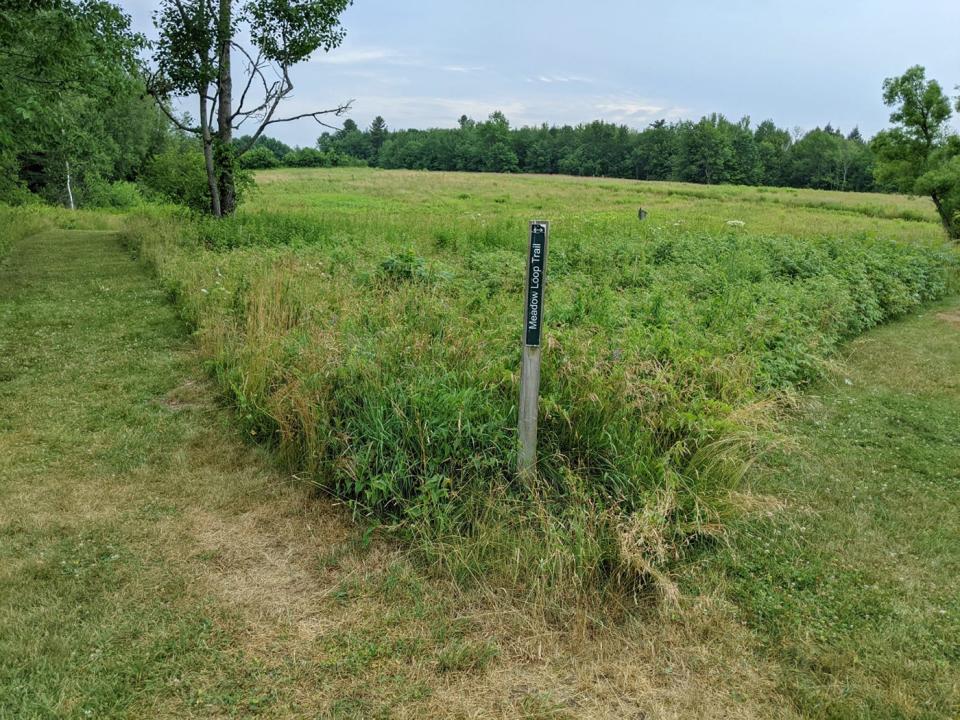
column 632, row 111
column 463, row 68
column 427, row 111
column 365, row 55
column 561, row 79
column 442, row 111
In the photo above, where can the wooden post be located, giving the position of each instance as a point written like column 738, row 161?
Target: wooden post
column 530, row 365
column 529, row 406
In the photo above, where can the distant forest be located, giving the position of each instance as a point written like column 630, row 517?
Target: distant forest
column 714, row 150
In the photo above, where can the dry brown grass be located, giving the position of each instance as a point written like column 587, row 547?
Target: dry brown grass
column 297, row 588
column 952, row 318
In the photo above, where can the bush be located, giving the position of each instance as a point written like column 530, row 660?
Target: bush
column 99, row 193
column 259, row 158
column 307, row 157
column 178, row 176
column 12, row 189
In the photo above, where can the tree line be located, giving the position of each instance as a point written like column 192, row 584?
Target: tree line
column 713, row 150
column 86, row 118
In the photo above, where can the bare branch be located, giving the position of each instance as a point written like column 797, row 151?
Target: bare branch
column 173, row 119
column 255, row 71
column 282, row 89
column 337, row 111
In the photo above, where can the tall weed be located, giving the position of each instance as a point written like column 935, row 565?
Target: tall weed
column 381, row 358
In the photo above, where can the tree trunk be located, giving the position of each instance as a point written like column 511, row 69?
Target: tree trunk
column 226, row 159
column 952, row 227
column 69, row 188
column 215, row 206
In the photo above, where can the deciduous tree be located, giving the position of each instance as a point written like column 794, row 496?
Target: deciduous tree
column 920, row 154
column 194, row 57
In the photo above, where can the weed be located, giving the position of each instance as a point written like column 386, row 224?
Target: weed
column 390, row 375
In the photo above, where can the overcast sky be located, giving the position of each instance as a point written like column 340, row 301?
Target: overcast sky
column 423, row 63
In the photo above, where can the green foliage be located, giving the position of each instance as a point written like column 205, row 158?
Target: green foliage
column 307, row 157
column 289, row 31
column 259, row 158
column 390, row 375
column 177, row 175
column 711, row 151
column 921, row 154
column 310, row 157
column 120, row 195
column 826, row 160
column 277, row 147
column 71, row 102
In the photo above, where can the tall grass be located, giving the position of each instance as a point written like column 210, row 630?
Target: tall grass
column 22, row 221
column 375, row 345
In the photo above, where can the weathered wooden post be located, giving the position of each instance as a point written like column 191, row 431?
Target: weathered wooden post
column 530, row 365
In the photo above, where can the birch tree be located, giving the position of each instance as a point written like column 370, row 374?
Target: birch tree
column 194, row 57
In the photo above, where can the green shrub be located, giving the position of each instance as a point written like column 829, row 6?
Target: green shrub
column 178, row 175
column 13, row 191
column 307, row 157
column 259, row 158
column 98, row 193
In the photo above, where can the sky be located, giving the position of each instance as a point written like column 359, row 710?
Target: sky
column 804, row 63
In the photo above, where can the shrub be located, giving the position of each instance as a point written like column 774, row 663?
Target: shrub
column 259, row 158
column 99, row 193
column 13, row 191
column 307, row 157
column 178, row 175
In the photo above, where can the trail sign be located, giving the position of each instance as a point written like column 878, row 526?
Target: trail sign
column 536, row 279
column 530, row 363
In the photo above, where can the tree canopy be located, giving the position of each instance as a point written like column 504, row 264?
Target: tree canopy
column 920, row 154
column 72, row 111
column 712, row 150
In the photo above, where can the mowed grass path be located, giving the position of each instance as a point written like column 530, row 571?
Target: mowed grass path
column 99, row 612
column 855, row 585
column 153, row 564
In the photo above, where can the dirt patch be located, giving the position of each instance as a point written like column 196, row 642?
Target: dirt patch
column 264, row 563
column 191, row 394
column 951, row 318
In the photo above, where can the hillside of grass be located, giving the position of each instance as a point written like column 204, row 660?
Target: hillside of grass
column 365, row 324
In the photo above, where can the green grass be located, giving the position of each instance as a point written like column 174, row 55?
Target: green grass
column 92, row 622
column 854, row 587
column 132, row 583
column 366, row 322
column 152, row 564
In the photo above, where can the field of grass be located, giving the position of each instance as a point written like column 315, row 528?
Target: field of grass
column 366, row 324
column 153, row 564
column 156, row 564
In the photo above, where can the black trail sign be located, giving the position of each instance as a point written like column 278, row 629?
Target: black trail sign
column 536, row 280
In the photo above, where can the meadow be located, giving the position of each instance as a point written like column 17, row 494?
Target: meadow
column 366, row 324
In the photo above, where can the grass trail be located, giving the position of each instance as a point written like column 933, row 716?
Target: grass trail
column 154, row 564
column 853, row 586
